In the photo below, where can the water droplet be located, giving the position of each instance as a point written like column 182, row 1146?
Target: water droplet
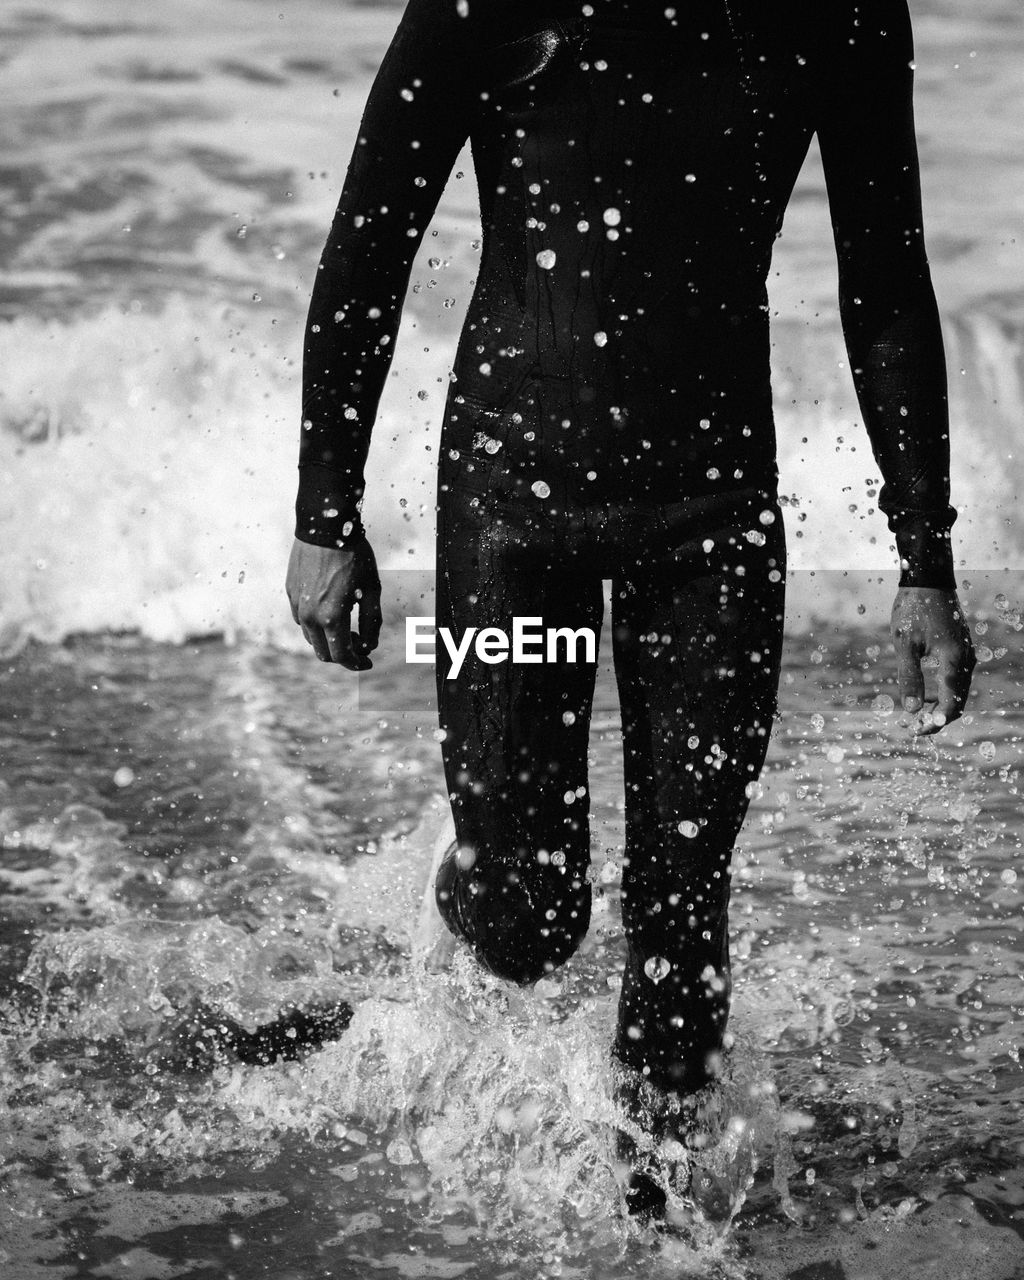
column 688, row 829
column 657, row 968
column 546, row 259
column 541, row 489
column 906, row 1140
column 612, row 217
column 124, row 777
column 883, row 705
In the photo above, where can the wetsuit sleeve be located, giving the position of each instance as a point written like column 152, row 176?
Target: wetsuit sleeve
column 889, row 313
column 415, row 122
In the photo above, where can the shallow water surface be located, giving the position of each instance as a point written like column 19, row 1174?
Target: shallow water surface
column 234, row 829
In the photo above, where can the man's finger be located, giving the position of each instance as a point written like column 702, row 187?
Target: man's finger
column 339, row 637
column 911, row 681
column 954, row 677
column 318, row 640
column 370, row 618
column 929, row 720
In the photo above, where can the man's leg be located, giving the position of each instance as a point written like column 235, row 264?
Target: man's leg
column 515, row 745
column 697, row 647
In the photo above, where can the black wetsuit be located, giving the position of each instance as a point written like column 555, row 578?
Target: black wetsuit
column 611, row 417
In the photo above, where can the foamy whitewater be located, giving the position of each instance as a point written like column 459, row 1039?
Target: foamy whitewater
column 198, row 822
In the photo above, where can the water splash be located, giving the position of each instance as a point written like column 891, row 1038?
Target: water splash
column 165, row 423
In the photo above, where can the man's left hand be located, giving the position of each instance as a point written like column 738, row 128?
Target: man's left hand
column 929, row 622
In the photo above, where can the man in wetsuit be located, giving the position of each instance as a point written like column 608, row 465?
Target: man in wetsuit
column 611, row 417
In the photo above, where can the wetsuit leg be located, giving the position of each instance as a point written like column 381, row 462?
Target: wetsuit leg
column 697, row 646
column 515, row 745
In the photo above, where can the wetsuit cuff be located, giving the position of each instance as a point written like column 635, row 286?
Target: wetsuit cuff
column 327, row 507
column 925, row 549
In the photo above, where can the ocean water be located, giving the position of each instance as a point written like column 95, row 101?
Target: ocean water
column 230, row 828
column 199, row 821
column 171, row 175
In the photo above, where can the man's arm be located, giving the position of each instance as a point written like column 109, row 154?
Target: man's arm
column 416, row 119
column 887, row 304
column 893, row 335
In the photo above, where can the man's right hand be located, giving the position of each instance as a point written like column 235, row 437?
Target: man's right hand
column 324, row 585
